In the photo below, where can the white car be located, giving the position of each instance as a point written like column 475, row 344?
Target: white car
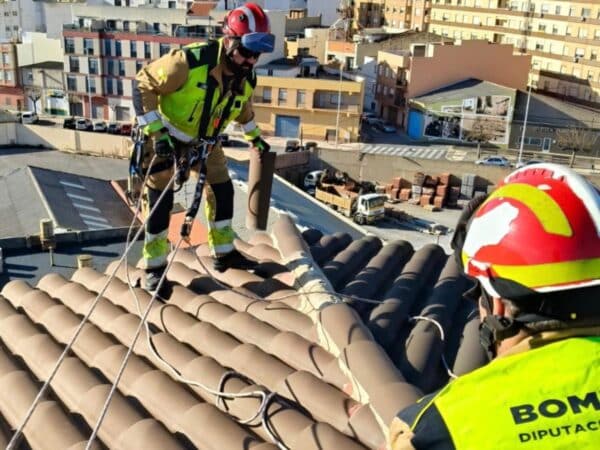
column 83, row 124
column 499, row 161
column 29, row 117
column 528, row 163
column 100, row 126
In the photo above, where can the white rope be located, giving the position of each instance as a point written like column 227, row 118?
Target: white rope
column 442, row 338
column 13, row 442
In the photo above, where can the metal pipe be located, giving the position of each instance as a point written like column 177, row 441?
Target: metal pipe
column 260, row 182
column 524, row 127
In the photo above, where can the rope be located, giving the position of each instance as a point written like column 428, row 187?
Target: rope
column 442, row 338
column 13, row 442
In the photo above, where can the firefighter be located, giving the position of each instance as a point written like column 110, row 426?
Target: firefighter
column 189, row 95
column 533, row 247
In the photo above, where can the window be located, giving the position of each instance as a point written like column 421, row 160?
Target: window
column 117, row 48
column 579, row 52
column 14, row 13
column 590, row 75
column 69, row 45
column 121, row 68
column 119, row 87
column 172, row 5
column 539, row 46
column 164, row 49
column 93, row 65
column 542, row 27
column 568, row 31
column 266, row 97
column 476, row 20
column 88, row 46
column 545, row 8
column 156, row 27
column 583, row 33
column 300, row 97
column 111, row 66
column 126, row 25
column 554, row 29
column 147, row 50
column 8, row 76
column 109, row 86
column 107, row 47
column 586, row 12
column 71, row 83
column 91, row 85
column 133, row 49
column 282, row 96
column 333, row 98
column 597, row 34
column 138, row 66
column 73, row 64
column 557, row 10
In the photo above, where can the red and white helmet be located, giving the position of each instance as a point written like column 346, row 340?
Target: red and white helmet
column 539, row 231
column 251, row 25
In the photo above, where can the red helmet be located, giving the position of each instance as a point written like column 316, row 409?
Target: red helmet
column 251, row 25
column 539, row 231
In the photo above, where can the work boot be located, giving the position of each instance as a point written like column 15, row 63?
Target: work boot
column 233, row 260
column 153, row 277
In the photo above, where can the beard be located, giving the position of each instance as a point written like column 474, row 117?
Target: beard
column 238, row 70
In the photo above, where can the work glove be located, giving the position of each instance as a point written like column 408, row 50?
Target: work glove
column 163, row 146
column 261, row 145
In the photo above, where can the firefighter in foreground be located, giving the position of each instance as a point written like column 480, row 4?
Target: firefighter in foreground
column 187, row 96
column 533, row 247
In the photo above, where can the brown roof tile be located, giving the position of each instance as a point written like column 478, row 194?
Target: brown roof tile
column 340, row 370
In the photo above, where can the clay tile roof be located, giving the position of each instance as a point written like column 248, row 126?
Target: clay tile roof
column 201, row 9
column 337, row 371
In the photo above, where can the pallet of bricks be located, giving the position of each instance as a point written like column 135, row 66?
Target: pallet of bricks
column 433, row 192
column 398, row 189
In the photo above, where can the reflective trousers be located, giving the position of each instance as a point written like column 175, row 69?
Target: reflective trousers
column 218, row 205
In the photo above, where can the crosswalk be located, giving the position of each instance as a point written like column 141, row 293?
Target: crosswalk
column 406, row 151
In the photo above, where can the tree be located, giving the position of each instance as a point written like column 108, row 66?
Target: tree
column 481, row 131
column 575, row 139
column 34, row 94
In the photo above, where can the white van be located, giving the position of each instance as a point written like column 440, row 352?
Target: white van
column 29, row 117
column 310, row 181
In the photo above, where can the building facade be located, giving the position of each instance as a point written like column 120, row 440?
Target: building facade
column 11, row 92
column 422, row 68
column 563, row 38
column 392, row 14
column 299, row 101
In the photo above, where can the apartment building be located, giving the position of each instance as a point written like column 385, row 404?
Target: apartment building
column 421, row 68
column 301, row 100
column 392, row 14
column 102, row 56
column 11, row 93
column 563, row 38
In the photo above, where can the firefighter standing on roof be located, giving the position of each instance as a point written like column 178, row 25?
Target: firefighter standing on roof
column 533, row 247
column 191, row 94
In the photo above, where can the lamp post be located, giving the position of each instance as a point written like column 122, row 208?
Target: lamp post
column 524, row 127
column 88, row 51
column 339, row 105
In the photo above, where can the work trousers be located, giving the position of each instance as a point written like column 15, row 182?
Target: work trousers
column 218, row 204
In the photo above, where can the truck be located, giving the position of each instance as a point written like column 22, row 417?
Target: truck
column 362, row 208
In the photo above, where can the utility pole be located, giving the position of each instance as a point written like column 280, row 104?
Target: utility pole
column 339, row 105
column 524, row 127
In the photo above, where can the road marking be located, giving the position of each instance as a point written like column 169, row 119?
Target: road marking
column 425, row 153
column 92, row 224
column 456, row 155
column 73, row 185
column 80, row 197
column 89, row 208
column 96, row 218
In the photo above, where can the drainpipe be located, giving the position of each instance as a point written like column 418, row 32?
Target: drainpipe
column 260, row 181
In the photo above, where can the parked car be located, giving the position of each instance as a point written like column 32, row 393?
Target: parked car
column 528, row 163
column 99, row 126
column 29, row 117
column 69, row 123
column 113, row 128
column 374, row 121
column 83, row 124
column 292, row 145
column 126, row 129
column 387, row 128
column 500, row 161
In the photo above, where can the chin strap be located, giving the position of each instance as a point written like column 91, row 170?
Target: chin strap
column 494, row 329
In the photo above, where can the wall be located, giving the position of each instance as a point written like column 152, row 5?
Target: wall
column 472, row 59
column 99, row 144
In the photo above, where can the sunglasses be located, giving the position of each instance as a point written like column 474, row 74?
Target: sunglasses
column 248, row 54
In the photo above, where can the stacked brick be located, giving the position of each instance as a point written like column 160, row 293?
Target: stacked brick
column 432, row 192
column 394, row 190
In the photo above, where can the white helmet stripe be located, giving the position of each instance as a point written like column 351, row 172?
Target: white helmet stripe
column 250, row 16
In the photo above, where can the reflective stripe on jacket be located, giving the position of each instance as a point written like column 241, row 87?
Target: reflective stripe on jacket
column 544, row 398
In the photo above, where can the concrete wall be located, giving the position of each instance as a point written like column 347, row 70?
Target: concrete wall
column 472, row 59
column 382, row 168
column 83, row 142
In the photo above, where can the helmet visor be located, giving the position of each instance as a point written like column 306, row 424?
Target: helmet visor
column 259, row 42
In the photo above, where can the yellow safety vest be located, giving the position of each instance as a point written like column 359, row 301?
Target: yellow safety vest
column 546, row 398
column 198, row 107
